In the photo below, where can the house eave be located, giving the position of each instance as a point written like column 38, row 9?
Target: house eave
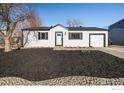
column 68, row 28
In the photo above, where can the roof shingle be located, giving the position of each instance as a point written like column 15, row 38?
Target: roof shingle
column 69, row 28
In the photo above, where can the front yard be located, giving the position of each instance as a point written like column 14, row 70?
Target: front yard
column 44, row 63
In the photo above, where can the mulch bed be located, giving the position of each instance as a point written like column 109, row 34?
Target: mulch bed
column 45, row 63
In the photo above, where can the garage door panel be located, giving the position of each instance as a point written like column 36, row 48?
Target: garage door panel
column 97, row 40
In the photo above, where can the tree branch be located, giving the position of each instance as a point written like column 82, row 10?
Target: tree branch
column 2, row 34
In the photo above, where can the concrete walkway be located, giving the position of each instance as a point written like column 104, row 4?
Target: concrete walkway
column 118, row 52
column 73, row 48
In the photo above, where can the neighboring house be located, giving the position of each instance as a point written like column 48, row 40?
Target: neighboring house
column 1, row 40
column 116, row 33
column 16, row 37
column 59, row 35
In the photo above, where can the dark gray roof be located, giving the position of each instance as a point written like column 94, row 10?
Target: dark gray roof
column 37, row 28
column 117, row 25
column 69, row 28
column 86, row 29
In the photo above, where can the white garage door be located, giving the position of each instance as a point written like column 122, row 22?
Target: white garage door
column 97, row 40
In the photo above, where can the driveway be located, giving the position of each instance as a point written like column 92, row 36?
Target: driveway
column 116, row 51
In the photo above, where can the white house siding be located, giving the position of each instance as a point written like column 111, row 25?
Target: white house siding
column 33, row 39
column 84, row 42
column 34, row 42
column 85, row 39
column 57, row 29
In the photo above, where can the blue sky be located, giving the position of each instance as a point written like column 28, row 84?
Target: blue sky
column 98, row 15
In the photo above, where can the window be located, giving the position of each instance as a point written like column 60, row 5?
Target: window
column 1, row 40
column 15, row 39
column 43, row 35
column 58, row 34
column 75, row 36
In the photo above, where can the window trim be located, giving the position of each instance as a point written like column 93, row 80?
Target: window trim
column 2, row 40
column 69, row 36
column 40, row 36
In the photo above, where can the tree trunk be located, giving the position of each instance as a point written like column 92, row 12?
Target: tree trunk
column 7, row 45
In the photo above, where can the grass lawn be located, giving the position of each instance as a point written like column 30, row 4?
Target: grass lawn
column 45, row 63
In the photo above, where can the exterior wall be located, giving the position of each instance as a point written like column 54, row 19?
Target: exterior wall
column 84, row 42
column 57, row 29
column 32, row 41
column 85, row 39
column 117, row 36
column 119, row 24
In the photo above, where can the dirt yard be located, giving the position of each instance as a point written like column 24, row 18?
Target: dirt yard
column 43, row 64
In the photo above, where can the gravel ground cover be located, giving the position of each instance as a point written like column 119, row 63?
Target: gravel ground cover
column 46, row 66
column 70, row 80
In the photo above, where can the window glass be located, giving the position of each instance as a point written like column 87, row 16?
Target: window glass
column 38, row 35
column 47, row 35
column 15, row 39
column 75, row 35
column 1, row 40
column 42, row 35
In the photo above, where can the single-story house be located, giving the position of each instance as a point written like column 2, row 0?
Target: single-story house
column 116, row 32
column 60, row 35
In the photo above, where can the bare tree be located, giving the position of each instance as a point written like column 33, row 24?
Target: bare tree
column 73, row 23
column 34, row 20
column 11, row 15
column 69, row 23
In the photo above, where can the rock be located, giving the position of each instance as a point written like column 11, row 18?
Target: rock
column 70, row 80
